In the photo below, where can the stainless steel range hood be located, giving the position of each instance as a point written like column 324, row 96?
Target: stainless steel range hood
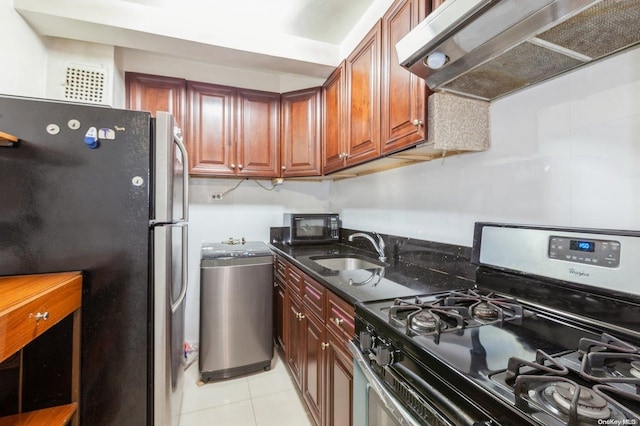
column 487, row 49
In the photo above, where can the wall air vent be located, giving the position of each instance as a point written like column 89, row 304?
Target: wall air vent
column 85, row 84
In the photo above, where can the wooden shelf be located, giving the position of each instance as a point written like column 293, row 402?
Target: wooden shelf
column 29, row 306
column 53, row 416
column 23, row 297
column 7, row 140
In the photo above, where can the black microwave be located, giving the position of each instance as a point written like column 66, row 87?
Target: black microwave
column 310, row 228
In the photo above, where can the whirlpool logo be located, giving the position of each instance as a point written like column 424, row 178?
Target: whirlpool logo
column 578, row 273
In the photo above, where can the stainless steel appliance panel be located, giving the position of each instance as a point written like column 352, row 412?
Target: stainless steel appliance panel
column 236, row 316
column 170, row 269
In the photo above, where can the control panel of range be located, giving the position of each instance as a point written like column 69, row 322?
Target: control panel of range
column 591, row 252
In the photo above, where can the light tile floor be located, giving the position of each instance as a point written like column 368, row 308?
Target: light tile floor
column 261, row 399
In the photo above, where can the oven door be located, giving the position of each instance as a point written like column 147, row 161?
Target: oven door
column 373, row 404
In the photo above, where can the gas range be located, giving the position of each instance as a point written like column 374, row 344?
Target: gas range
column 519, row 347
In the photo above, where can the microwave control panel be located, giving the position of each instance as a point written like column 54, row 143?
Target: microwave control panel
column 334, row 228
column 587, row 251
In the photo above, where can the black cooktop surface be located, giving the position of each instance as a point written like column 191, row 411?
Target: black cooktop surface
column 481, row 349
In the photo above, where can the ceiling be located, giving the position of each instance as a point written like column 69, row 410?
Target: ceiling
column 327, row 21
column 300, row 37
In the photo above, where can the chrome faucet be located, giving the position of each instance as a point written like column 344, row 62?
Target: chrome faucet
column 379, row 246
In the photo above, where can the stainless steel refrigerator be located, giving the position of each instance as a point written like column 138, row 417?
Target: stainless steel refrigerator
column 104, row 191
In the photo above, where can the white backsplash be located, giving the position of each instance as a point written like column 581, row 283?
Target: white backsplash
column 247, row 212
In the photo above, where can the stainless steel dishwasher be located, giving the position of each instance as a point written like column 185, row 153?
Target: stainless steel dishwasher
column 236, row 309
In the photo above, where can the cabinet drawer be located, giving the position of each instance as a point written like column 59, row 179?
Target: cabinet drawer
column 313, row 296
column 294, row 280
column 33, row 304
column 340, row 317
column 280, row 269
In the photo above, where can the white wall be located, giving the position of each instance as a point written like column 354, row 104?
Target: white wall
column 563, row 153
column 24, row 56
column 63, row 54
column 249, row 212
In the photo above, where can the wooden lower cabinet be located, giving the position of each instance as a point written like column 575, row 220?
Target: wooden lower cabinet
column 339, row 382
column 313, row 365
column 279, row 298
column 317, row 326
column 295, row 338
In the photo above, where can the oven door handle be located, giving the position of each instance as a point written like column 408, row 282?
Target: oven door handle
column 394, row 406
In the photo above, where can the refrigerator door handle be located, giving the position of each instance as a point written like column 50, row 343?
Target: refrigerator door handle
column 177, row 138
column 185, row 275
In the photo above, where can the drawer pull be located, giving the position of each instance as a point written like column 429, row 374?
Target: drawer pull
column 325, row 346
column 337, row 321
column 42, row 316
column 300, row 317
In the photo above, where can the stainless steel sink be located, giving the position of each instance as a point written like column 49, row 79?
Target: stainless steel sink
column 347, row 263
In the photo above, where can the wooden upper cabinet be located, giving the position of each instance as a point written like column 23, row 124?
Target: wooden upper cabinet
column 233, row 132
column 436, row 3
column 333, row 121
column 154, row 93
column 211, row 136
column 403, row 93
column 301, row 124
column 363, row 99
column 258, row 137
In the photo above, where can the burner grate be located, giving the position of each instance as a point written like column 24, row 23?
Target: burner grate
column 453, row 312
column 546, row 383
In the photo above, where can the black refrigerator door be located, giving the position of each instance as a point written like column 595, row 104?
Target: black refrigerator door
column 65, row 206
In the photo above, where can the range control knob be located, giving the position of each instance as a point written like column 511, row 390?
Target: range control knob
column 366, row 340
column 384, row 356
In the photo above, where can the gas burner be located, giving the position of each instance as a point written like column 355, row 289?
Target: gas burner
column 452, row 311
column 589, row 405
column 485, row 308
column 485, row 311
column 425, row 321
column 635, row 369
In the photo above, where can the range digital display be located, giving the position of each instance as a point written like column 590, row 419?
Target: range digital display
column 582, row 245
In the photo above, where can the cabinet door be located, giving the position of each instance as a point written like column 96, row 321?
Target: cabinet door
column 301, row 133
column 363, row 99
column 403, row 93
column 339, row 383
column 333, row 134
column 211, row 132
column 279, row 310
column 295, row 345
column 313, row 381
column 258, row 126
column 154, row 93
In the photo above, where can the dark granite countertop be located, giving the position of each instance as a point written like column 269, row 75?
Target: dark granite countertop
column 413, row 267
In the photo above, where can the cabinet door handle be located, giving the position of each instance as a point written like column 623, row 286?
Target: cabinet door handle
column 233, row 166
column 240, row 166
column 42, row 316
column 283, row 168
column 337, row 321
column 325, row 346
column 417, row 123
column 301, row 317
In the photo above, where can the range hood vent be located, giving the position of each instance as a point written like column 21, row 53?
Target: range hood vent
column 487, row 49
